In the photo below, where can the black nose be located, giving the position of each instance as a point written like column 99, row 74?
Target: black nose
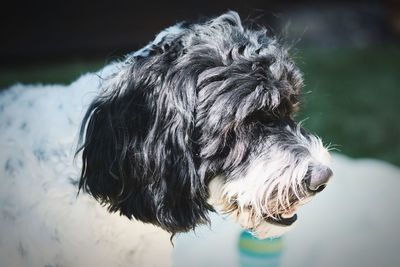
column 318, row 178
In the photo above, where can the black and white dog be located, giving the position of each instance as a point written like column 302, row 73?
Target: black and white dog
column 201, row 119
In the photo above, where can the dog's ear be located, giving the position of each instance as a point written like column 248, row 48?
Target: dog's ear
column 137, row 143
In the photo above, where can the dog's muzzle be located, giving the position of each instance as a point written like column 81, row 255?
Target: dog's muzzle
column 315, row 181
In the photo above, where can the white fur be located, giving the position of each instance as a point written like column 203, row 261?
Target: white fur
column 264, row 188
column 42, row 220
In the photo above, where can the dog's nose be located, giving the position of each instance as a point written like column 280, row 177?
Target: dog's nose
column 318, row 178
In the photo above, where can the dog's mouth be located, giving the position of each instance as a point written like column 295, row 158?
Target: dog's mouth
column 284, row 219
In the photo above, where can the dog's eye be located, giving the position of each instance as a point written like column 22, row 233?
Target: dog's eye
column 166, row 47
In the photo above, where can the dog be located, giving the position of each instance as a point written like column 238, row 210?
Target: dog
column 199, row 120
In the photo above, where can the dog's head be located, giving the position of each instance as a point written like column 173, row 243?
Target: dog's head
column 202, row 119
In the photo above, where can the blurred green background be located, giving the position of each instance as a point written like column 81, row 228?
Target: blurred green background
column 351, row 99
column 351, row 95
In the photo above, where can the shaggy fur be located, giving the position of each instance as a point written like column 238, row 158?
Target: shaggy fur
column 205, row 100
column 201, row 119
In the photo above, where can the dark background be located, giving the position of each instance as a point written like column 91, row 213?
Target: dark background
column 52, row 30
column 348, row 51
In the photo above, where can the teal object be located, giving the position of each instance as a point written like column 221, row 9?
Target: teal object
column 254, row 252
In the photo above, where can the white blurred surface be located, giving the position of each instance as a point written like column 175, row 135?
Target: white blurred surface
column 353, row 222
column 42, row 220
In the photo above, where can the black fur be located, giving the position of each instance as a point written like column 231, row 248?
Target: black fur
column 194, row 107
